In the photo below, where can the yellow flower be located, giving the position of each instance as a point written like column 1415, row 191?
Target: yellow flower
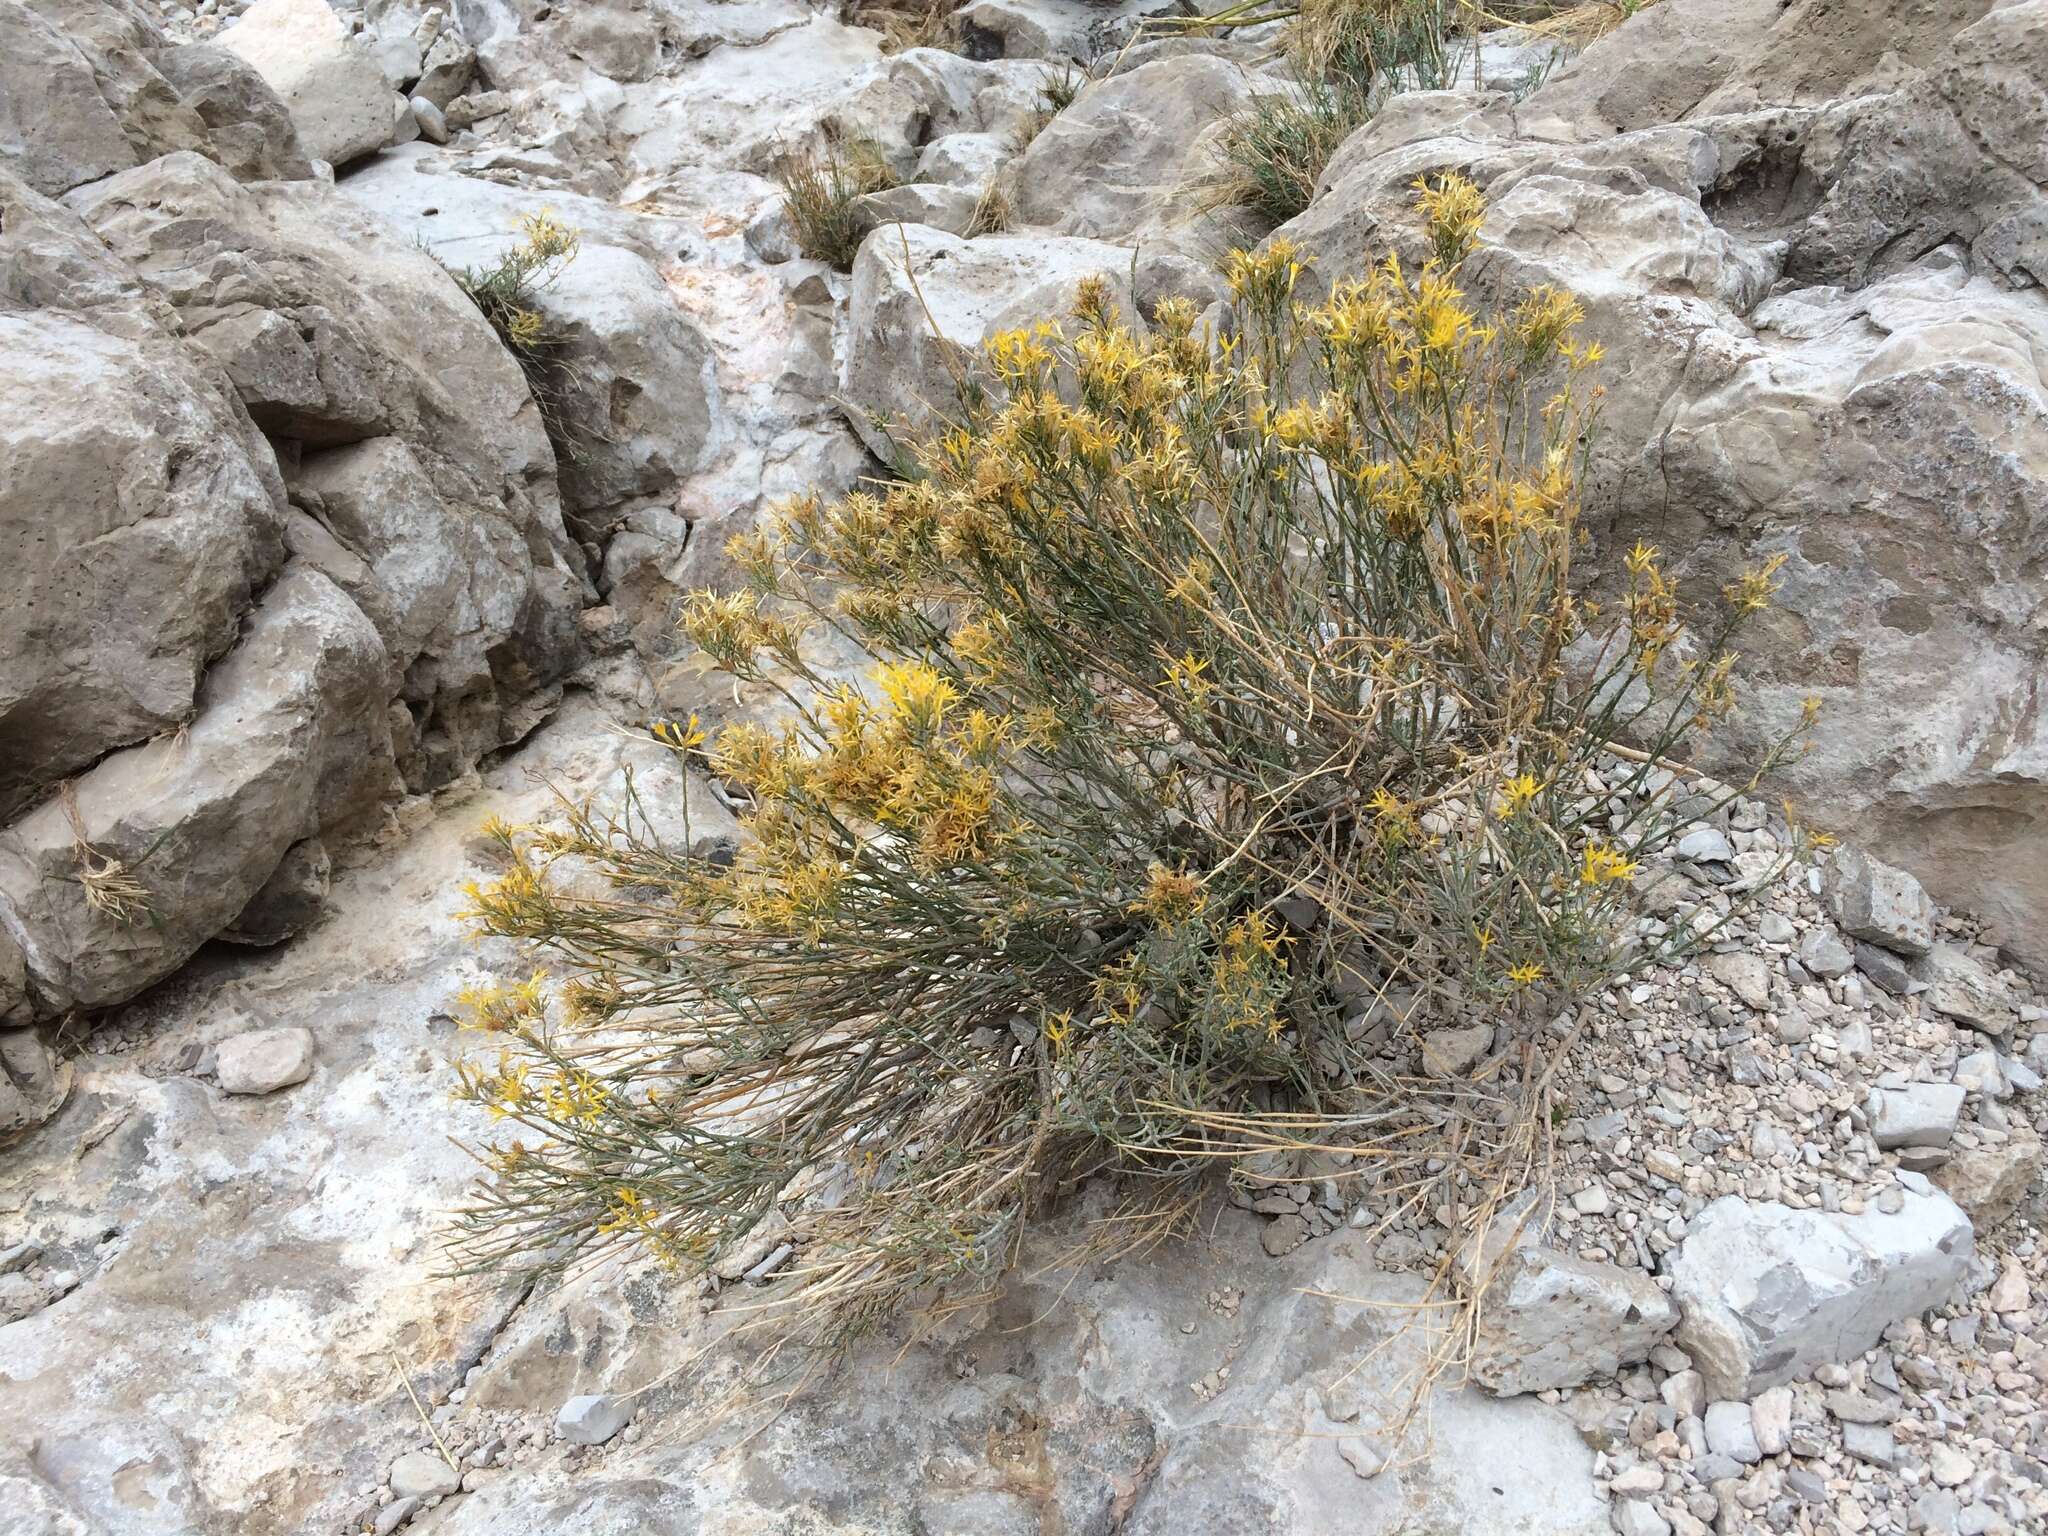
column 1525, row 974
column 1753, row 590
column 1602, row 865
column 1184, row 676
column 917, row 692
column 681, row 737
column 1516, row 794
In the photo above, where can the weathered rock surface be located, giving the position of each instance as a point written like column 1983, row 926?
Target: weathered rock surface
column 1766, row 1292
column 1122, row 159
column 923, row 301
column 1878, row 421
column 338, row 97
column 1550, row 1319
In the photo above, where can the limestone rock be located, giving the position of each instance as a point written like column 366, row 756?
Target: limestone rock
column 1989, row 1182
column 144, row 511
column 592, row 1419
column 1965, row 990
column 951, row 209
column 1118, row 160
column 1872, row 900
column 1766, row 1292
column 164, row 845
column 56, row 130
column 423, row 1475
column 1552, row 1320
column 1918, row 1115
column 340, row 333
column 896, row 371
column 33, row 1083
column 251, row 130
column 264, row 1060
column 1051, row 29
column 1652, row 69
column 1455, row 1052
column 337, row 95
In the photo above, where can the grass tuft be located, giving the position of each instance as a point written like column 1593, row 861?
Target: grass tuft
column 820, row 191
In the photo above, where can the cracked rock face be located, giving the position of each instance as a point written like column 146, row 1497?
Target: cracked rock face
column 1829, row 326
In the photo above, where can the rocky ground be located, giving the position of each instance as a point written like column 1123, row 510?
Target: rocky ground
column 317, row 593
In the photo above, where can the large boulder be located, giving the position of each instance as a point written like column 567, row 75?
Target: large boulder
column 1767, row 1292
column 337, row 95
column 139, row 508
column 113, row 885
column 922, row 303
column 1126, row 155
column 336, row 331
column 251, row 130
column 1879, row 419
column 634, row 390
column 56, row 131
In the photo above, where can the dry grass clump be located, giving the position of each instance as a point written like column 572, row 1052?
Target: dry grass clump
column 1057, row 91
column 1226, row 687
column 993, row 211
column 820, row 191
column 906, row 24
column 1348, row 57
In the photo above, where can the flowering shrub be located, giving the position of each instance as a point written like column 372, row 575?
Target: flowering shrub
column 1228, row 686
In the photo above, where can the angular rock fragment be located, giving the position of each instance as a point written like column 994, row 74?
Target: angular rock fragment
column 1553, row 1320
column 1766, row 1292
column 1873, row 901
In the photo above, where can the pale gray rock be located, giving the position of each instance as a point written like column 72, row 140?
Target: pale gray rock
column 290, row 737
column 1550, row 1319
column 423, row 1475
column 1918, row 1115
column 1706, row 844
column 897, row 372
column 262, row 1061
column 145, row 510
column 1455, row 1052
column 1121, row 159
column 432, row 125
column 636, row 389
column 339, row 332
column 1654, row 68
column 445, row 71
column 1965, row 990
column 337, row 95
column 1731, row 1433
column 1326, row 1371
column 592, row 1419
column 951, row 209
column 1052, row 29
column 1767, row 1292
column 250, row 131
column 1824, row 954
column 965, row 159
column 1746, row 975
column 1638, row 1517
column 1770, row 1418
column 56, row 130
column 33, row 1082
column 1873, row 901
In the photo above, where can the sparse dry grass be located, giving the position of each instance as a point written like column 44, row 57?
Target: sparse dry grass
column 820, row 190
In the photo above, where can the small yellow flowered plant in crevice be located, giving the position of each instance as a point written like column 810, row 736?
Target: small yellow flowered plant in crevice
column 1226, row 689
